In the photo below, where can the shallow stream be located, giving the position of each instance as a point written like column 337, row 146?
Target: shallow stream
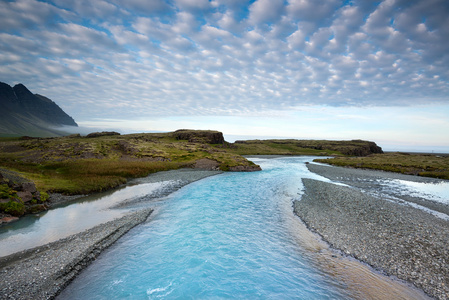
column 232, row 235
column 227, row 236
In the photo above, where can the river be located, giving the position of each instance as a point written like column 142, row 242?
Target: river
column 233, row 235
column 227, row 236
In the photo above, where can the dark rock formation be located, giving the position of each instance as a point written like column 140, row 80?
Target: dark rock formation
column 25, row 113
column 103, row 133
column 19, row 196
column 200, row 136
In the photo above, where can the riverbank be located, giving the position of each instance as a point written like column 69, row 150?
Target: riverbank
column 394, row 238
column 42, row 272
column 181, row 177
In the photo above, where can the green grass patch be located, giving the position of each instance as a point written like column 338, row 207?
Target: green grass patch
column 427, row 165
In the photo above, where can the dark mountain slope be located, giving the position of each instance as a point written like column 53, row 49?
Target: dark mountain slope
column 25, row 113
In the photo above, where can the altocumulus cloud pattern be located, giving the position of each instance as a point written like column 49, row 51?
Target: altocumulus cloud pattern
column 226, row 57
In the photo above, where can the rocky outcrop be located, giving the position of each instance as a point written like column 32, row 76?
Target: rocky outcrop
column 200, row 136
column 103, row 133
column 25, row 113
column 206, row 164
column 18, row 196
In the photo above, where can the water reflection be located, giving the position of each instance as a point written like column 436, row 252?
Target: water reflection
column 438, row 191
column 65, row 220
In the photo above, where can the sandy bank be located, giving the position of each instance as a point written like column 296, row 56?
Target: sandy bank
column 398, row 239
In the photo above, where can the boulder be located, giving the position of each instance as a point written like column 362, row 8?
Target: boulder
column 26, row 196
column 29, row 187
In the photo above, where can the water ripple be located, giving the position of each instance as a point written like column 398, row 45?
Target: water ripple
column 224, row 237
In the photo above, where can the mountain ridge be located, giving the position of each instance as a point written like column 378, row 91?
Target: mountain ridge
column 25, row 113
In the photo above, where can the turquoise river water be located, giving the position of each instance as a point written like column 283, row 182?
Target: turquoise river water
column 233, row 235
column 227, row 236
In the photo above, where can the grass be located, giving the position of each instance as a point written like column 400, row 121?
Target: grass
column 79, row 165
column 85, row 175
column 272, row 148
column 427, row 165
column 304, row 147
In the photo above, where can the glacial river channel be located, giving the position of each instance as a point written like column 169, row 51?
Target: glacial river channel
column 232, row 235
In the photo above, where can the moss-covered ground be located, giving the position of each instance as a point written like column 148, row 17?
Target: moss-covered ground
column 428, row 165
column 78, row 165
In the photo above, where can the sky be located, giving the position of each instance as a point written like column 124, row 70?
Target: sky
column 305, row 69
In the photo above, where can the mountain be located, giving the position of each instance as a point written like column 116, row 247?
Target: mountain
column 25, row 113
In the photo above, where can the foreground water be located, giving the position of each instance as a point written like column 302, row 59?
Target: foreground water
column 228, row 236
column 36, row 230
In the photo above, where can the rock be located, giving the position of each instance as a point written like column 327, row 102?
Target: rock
column 206, row 164
column 26, row 196
column 103, row 133
column 33, row 209
column 200, row 136
column 29, row 187
column 8, row 219
column 37, row 196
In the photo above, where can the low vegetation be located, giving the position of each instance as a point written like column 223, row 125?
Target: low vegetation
column 427, row 165
column 100, row 161
column 305, row 147
column 78, row 165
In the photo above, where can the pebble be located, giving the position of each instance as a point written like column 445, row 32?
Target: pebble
column 59, row 262
column 398, row 239
column 43, row 272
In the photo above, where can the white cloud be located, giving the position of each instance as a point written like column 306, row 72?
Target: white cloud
column 266, row 11
column 225, row 57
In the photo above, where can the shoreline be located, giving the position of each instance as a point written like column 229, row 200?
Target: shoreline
column 44, row 271
column 395, row 239
column 50, row 268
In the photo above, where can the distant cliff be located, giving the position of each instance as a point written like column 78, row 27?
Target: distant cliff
column 25, row 113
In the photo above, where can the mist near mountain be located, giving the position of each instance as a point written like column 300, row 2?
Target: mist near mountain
column 23, row 113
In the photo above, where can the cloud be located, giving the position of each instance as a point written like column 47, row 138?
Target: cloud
column 266, row 11
column 224, row 57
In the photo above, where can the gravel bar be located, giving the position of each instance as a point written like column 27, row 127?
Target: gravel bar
column 371, row 181
column 396, row 239
column 42, row 272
